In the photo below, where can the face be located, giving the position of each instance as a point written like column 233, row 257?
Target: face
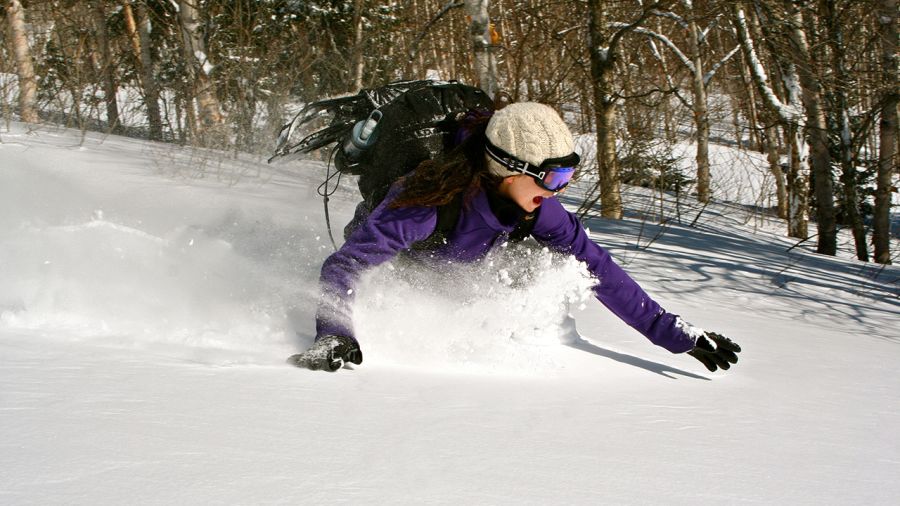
column 524, row 191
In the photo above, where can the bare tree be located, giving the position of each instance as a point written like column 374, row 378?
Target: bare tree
column 107, row 68
column 887, row 154
column 841, row 81
column 15, row 16
column 199, row 66
column 816, row 129
column 603, row 48
column 358, row 68
column 769, row 138
column 139, row 27
column 480, row 34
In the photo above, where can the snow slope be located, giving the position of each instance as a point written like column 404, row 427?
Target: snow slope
column 149, row 295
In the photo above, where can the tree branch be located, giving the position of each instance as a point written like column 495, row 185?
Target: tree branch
column 712, row 71
column 626, row 28
column 662, row 38
column 451, row 4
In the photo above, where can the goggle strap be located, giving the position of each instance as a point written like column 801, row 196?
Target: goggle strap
column 510, row 163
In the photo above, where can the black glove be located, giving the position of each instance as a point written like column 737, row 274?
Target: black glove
column 328, row 353
column 715, row 350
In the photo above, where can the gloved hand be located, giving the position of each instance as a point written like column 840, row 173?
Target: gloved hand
column 715, row 350
column 328, row 353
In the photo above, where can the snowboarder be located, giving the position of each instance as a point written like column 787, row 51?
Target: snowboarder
column 504, row 176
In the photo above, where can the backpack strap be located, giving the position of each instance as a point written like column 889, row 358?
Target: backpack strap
column 447, row 217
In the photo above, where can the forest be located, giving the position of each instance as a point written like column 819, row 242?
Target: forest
column 810, row 84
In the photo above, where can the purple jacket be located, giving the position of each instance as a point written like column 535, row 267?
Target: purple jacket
column 388, row 231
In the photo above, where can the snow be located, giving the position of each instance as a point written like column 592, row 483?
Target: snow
column 205, row 64
column 149, row 296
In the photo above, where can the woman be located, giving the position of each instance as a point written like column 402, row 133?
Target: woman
column 507, row 171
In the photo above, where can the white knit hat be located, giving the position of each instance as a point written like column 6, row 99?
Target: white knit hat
column 531, row 132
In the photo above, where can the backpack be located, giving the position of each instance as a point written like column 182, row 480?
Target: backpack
column 382, row 134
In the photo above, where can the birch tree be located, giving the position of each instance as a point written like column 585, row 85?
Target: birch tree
column 480, row 35
column 18, row 39
column 199, row 67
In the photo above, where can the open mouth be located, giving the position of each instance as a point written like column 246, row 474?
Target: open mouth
column 537, row 200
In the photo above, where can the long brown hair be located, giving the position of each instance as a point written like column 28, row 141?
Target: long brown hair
column 462, row 169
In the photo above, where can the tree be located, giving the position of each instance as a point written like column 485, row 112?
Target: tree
column 603, row 48
column 816, row 129
column 838, row 86
column 199, row 67
column 887, row 154
column 139, row 27
column 481, row 37
column 358, row 61
column 15, row 16
column 107, row 68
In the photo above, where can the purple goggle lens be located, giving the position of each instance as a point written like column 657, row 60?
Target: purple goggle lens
column 557, row 179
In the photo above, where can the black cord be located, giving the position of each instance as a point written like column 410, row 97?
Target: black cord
column 324, row 191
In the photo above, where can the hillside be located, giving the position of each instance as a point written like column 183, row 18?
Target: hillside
column 149, row 296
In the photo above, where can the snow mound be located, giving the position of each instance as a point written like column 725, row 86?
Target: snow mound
column 498, row 315
column 218, row 287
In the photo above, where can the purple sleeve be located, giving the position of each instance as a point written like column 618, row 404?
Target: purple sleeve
column 562, row 231
column 385, row 233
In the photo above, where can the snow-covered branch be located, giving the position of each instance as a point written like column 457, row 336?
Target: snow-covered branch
column 712, row 71
column 705, row 31
column 665, row 40
column 670, row 15
column 624, row 28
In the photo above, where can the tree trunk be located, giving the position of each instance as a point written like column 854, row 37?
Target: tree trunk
column 701, row 116
column 107, row 67
column 480, row 34
column 752, row 114
column 887, row 154
column 199, row 66
column 15, row 16
column 602, row 66
column 770, row 140
column 850, row 196
column 816, row 129
column 131, row 28
column 797, row 180
column 358, row 62
column 139, row 31
column 610, row 182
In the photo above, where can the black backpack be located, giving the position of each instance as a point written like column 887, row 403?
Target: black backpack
column 382, row 134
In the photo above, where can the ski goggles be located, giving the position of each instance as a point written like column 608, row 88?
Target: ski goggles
column 552, row 174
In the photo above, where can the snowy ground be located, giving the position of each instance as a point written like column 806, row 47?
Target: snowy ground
column 149, row 295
